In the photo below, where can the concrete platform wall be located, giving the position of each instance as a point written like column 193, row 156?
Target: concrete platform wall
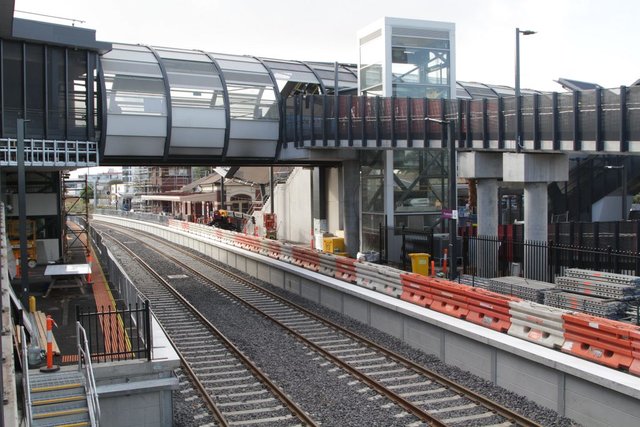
column 591, row 394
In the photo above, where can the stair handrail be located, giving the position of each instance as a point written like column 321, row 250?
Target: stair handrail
column 92, row 394
column 25, row 378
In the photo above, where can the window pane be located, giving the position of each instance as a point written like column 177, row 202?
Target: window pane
column 12, row 86
column 77, row 89
column 131, row 68
column 194, row 84
column 135, row 95
column 35, row 89
column 56, row 87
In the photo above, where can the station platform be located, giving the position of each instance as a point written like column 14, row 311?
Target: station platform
column 62, row 302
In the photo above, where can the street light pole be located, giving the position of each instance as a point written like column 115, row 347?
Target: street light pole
column 518, row 106
column 22, row 215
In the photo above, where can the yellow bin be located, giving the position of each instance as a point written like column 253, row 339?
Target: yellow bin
column 420, row 263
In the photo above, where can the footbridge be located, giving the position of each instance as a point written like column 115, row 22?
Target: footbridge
column 78, row 102
column 88, row 102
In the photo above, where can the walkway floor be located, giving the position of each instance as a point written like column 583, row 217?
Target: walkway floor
column 63, row 303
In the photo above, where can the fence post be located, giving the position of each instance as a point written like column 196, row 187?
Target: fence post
column 550, row 257
column 380, row 241
column 636, row 228
column 149, row 337
column 609, row 258
column 404, row 249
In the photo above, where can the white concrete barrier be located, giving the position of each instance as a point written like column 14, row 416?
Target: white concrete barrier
column 379, row 278
column 537, row 323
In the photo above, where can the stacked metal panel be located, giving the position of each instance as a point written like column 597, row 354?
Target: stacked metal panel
column 595, row 292
column 528, row 289
column 608, row 308
column 596, row 283
column 479, row 282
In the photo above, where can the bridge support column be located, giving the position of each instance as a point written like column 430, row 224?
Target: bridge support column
column 487, row 202
column 487, row 206
column 535, row 211
column 486, row 169
column 535, row 171
column 350, row 187
column 319, row 202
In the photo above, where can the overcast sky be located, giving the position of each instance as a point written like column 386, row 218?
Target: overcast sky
column 590, row 40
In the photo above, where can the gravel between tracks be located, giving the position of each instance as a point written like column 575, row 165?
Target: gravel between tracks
column 286, row 361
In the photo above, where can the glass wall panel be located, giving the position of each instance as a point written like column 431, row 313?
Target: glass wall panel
column 420, row 63
column 545, row 117
column 56, row 93
column 372, row 181
column 149, row 69
column 477, row 120
column 587, row 119
column 371, row 60
column 241, row 66
column 133, row 88
column 136, row 102
column 12, row 85
column 77, row 89
column 633, row 110
column 478, row 90
column 251, row 91
column 135, row 95
column 565, row 117
column 35, row 91
column 347, row 80
column 293, row 78
column 526, row 109
column 611, row 113
column 97, row 99
column 509, row 105
column 420, row 181
column 194, row 84
column 197, row 101
column 371, row 76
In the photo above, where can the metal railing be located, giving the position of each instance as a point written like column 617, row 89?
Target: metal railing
column 492, row 256
column 120, row 334
column 119, row 281
column 84, row 355
column 550, row 121
column 25, row 379
column 39, row 152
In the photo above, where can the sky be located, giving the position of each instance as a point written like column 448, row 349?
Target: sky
column 588, row 40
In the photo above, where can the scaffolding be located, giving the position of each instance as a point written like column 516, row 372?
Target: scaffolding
column 75, row 214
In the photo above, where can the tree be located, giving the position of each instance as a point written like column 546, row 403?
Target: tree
column 87, row 192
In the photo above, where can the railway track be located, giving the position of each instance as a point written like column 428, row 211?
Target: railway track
column 429, row 397
column 233, row 390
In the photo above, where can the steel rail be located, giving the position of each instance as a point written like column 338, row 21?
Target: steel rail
column 473, row 396
column 291, row 405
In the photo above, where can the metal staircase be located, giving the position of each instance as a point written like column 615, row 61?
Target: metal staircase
column 59, row 399
column 590, row 181
column 66, row 398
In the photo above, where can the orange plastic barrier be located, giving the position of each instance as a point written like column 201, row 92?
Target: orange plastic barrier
column 635, row 352
column 249, row 243
column 449, row 298
column 603, row 341
column 415, row 289
column 306, row 258
column 489, row 309
column 440, row 295
column 274, row 249
column 346, row 269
